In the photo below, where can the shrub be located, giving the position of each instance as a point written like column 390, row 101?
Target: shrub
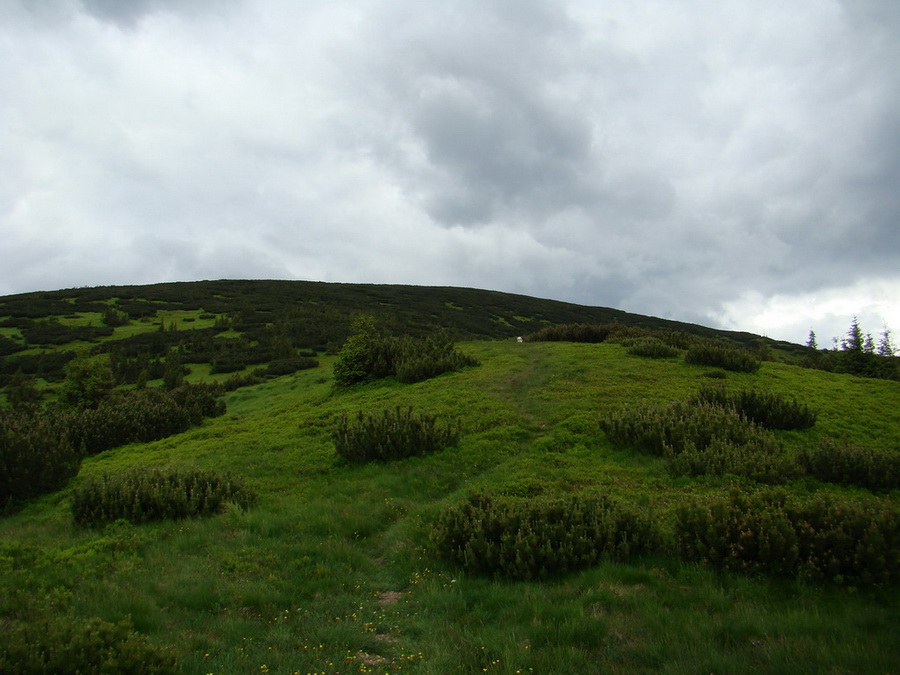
column 145, row 495
column 721, row 356
column 761, row 459
column 37, row 455
column 767, row 409
column 540, row 537
column 661, row 430
column 834, row 461
column 653, row 348
column 286, row 367
column 70, row 646
column 200, row 400
column 392, row 434
column 771, row 533
column 577, row 332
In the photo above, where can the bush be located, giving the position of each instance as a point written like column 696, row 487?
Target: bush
column 393, row 434
column 767, row 409
column 721, row 356
column 771, row 533
column 702, row 438
column 577, row 332
column 286, row 367
column 653, row 348
column 69, row 646
column 833, row 461
column 37, row 455
column 145, row 495
column 761, row 459
column 540, row 537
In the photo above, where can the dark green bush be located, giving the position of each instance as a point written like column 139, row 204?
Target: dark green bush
column 392, row 434
column 761, row 459
column 721, row 356
column 573, row 332
column 835, row 461
column 651, row 347
column 37, row 455
column 540, row 537
column 702, row 438
column 144, row 495
column 767, row 409
column 772, row 533
column 286, row 367
column 200, row 400
column 70, row 646
column 661, row 430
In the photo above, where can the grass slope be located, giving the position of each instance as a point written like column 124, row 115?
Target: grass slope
column 332, row 572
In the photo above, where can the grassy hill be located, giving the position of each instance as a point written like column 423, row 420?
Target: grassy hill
column 335, row 568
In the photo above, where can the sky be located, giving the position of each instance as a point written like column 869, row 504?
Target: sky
column 729, row 163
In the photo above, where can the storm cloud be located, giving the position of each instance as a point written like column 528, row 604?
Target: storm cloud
column 727, row 163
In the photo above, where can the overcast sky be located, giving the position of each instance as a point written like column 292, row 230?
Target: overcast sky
column 729, row 163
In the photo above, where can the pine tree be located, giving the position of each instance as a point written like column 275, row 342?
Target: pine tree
column 811, row 342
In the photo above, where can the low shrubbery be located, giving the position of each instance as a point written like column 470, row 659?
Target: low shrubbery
column 540, row 537
column 37, row 455
column 145, row 495
column 367, row 356
column 651, row 347
column 767, row 409
column 69, row 646
column 392, row 434
column 571, row 332
column 286, row 367
column 701, row 438
column 834, row 461
column 772, row 533
column 722, row 356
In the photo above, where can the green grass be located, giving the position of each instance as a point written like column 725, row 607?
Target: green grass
column 332, row 570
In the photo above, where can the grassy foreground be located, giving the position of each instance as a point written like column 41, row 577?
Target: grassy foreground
column 332, row 570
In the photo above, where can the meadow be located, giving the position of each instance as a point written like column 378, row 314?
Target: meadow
column 334, row 568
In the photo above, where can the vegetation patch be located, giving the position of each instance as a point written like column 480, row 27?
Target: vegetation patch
column 540, row 537
column 651, row 347
column 63, row 646
column 848, row 463
column 392, row 434
column 145, row 495
column 722, row 356
column 774, row 533
column 766, row 408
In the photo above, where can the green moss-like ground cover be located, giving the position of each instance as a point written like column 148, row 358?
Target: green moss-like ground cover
column 332, row 570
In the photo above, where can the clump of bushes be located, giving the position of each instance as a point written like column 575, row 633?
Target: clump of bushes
column 722, row 356
column 570, row 332
column 69, row 646
column 367, row 356
column 651, row 347
column 540, row 537
column 392, row 434
column 775, row 534
column 701, row 438
column 145, row 495
column 37, row 455
column 286, row 367
column 767, row 409
column 834, row 461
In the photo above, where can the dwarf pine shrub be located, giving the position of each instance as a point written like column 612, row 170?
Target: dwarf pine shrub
column 37, row 454
column 773, row 533
column 767, row 409
column 540, row 537
column 70, row 646
column 392, row 434
column 834, row 461
column 651, row 347
column 572, row 332
column 145, row 495
column 721, row 356
column 761, row 459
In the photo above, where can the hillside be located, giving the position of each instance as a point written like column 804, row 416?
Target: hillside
column 336, row 567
